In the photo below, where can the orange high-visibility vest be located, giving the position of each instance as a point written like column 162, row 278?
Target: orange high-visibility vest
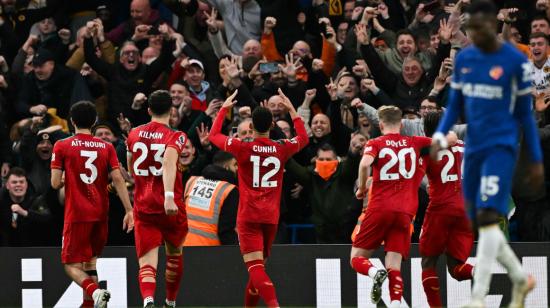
column 203, row 202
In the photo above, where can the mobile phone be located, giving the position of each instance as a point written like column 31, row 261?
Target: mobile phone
column 431, row 6
column 269, row 67
column 233, row 130
column 323, row 27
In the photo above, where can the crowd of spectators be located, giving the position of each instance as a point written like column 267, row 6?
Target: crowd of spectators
column 337, row 61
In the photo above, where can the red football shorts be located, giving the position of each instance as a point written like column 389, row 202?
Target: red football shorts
column 390, row 228
column 256, row 237
column 446, row 234
column 83, row 240
column 151, row 230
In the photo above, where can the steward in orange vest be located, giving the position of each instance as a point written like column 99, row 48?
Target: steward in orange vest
column 211, row 202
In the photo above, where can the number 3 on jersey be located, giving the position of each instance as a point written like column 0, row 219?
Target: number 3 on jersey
column 89, row 164
column 142, row 147
column 265, row 183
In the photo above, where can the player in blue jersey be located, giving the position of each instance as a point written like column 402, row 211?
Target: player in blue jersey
column 491, row 84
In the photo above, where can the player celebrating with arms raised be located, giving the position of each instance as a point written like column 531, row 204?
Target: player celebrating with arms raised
column 492, row 83
column 87, row 162
column 153, row 151
column 260, row 171
column 393, row 201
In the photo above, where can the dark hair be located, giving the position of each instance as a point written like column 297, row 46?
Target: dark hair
column 540, row 17
column 535, row 35
column 431, row 120
column 83, row 114
column 160, row 102
column 221, row 158
column 17, row 171
column 325, row 147
column 405, row 32
column 432, row 99
column 485, row 7
column 262, row 119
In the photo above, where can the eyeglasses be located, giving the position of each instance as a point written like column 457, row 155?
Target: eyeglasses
column 130, row 52
column 427, row 108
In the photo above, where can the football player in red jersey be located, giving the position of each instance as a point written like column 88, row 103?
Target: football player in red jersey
column 393, row 200
column 87, row 162
column 260, row 170
column 446, row 228
column 153, row 151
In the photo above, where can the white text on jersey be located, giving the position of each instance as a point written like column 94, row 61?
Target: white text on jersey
column 482, row 91
column 395, row 144
column 264, row 149
column 149, row 135
column 88, row 144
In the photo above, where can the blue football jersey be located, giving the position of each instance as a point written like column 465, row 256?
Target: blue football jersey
column 494, row 90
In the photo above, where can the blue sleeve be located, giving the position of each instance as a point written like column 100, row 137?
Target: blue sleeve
column 523, row 111
column 454, row 102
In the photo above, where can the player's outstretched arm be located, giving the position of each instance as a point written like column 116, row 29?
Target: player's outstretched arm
column 299, row 126
column 216, row 136
column 364, row 166
column 122, row 191
column 57, row 178
column 169, row 169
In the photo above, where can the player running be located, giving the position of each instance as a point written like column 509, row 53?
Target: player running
column 492, row 84
column 87, row 162
column 446, row 228
column 260, row 171
column 153, row 151
column 393, row 201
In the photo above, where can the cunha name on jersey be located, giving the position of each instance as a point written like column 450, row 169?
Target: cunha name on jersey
column 264, row 149
column 87, row 144
column 150, row 135
column 484, row 91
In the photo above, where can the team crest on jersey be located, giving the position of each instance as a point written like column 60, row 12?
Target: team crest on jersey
column 229, row 141
column 546, row 69
column 496, row 72
column 465, row 70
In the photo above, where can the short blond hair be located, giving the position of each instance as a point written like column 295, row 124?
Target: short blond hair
column 390, row 115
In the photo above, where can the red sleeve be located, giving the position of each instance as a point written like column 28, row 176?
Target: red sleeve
column 177, row 141
column 57, row 156
column 176, row 73
column 113, row 159
column 220, row 140
column 423, row 142
column 371, row 148
column 299, row 142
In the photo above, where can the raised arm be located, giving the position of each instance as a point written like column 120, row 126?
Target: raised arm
column 216, row 136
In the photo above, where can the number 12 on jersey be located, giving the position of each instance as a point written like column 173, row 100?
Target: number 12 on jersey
column 268, row 161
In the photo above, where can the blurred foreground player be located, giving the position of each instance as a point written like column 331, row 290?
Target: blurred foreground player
column 87, row 162
column 260, row 171
column 153, row 151
column 393, row 201
column 446, row 228
column 492, row 84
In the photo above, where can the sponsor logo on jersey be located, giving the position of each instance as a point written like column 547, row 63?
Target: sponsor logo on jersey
column 496, row 72
column 466, row 70
column 484, row 91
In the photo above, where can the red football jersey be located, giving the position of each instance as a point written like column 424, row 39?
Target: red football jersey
column 445, row 175
column 398, row 169
column 261, row 164
column 87, row 162
column 147, row 144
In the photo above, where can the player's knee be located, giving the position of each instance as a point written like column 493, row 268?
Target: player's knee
column 428, row 262
column 487, row 217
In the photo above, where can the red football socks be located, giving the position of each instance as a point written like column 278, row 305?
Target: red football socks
column 147, row 287
column 361, row 265
column 396, row 284
column 174, row 271
column 251, row 295
column 87, row 303
column 262, row 283
column 430, row 281
column 89, row 286
column 462, row 272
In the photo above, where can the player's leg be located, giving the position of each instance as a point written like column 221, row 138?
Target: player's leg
column 459, row 248
column 173, row 273
column 496, row 184
column 253, row 239
column 148, row 238
column 397, row 245
column 90, row 269
column 368, row 238
column 75, row 251
column 433, row 239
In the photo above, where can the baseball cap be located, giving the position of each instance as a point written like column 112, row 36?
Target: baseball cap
column 103, row 124
column 197, row 63
column 41, row 56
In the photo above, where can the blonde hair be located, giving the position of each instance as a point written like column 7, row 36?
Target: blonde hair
column 390, row 115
